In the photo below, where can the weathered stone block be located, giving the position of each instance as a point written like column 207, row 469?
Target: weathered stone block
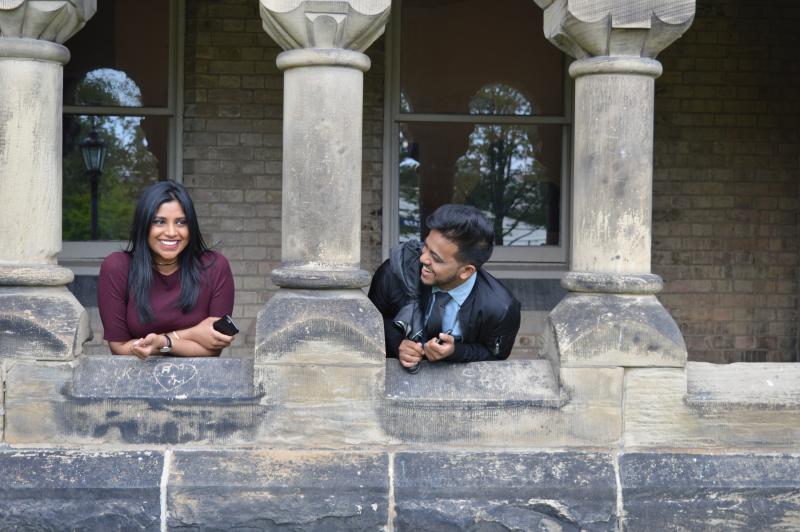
column 508, row 404
column 336, row 327
column 743, row 385
column 41, row 323
column 320, row 357
column 41, row 409
column 116, row 377
column 504, row 491
column 34, row 402
column 162, row 421
column 658, row 415
column 710, row 492
column 614, row 330
column 525, row 382
column 278, row 490
column 76, row 490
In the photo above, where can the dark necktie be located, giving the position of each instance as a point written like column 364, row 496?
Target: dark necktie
column 434, row 325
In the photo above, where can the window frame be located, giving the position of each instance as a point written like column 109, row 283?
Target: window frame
column 505, row 258
column 84, row 257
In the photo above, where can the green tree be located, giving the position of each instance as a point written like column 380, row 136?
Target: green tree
column 129, row 166
column 500, row 173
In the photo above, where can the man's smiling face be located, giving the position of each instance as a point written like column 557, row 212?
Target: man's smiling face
column 440, row 264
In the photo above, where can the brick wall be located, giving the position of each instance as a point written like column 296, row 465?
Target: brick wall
column 727, row 160
column 232, row 147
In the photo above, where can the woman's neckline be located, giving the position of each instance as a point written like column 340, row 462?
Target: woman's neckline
column 175, row 265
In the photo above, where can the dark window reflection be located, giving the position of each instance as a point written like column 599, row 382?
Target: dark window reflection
column 127, row 38
column 452, row 48
column 137, row 155
column 511, row 172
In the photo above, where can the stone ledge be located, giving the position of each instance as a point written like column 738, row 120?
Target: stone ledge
column 508, row 383
column 743, row 385
column 658, row 415
column 504, row 491
column 703, row 492
column 438, row 408
column 292, row 490
column 80, row 490
column 124, row 377
column 39, row 410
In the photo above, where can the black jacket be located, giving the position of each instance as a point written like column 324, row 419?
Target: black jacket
column 489, row 317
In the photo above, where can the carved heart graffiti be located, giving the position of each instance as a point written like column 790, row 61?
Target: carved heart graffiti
column 172, row 376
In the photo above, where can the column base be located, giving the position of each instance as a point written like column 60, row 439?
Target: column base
column 320, row 363
column 591, row 329
column 41, row 323
column 35, row 275
column 316, row 278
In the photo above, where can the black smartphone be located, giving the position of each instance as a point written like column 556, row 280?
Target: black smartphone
column 226, row 325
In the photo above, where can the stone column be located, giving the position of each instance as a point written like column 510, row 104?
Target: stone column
column 319, row 340
column 39, row 318
column 611, row 316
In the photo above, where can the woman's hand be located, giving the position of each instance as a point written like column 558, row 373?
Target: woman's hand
column 206, row 336
column 148, row 346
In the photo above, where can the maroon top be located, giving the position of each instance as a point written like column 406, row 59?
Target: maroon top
column 120, row 318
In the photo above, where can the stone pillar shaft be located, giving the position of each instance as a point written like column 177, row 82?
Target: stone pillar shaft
column 613, row 166
column 323, row 100
column 31, row 74
column 322, row 135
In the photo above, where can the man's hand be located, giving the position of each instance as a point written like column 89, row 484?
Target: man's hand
column 410, row 353
column 435, row 351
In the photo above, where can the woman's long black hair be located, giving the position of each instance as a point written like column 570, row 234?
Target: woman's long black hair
column 140, row 276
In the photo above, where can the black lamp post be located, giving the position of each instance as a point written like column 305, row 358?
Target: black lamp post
column 93, row 149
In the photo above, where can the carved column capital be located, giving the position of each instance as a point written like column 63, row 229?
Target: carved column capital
column 47, row 20
column 587, row 28
column 350, row 24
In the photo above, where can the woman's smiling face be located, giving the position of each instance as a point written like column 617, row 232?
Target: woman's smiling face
column 169, row 232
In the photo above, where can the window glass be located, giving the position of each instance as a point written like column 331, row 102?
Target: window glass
column 452, row 48
column 136, row 157
column 481, row 117
column 117, row 82
column 124, row 45
column 510, row 172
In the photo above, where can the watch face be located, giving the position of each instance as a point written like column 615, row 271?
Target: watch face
column 167, row 348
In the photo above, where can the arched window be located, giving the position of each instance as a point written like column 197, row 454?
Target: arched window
column 479, row 112
column 125, row 87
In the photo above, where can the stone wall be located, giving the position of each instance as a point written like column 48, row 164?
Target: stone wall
column 192, row 444
column 727, row 164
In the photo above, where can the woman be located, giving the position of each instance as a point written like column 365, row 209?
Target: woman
column 164, row 292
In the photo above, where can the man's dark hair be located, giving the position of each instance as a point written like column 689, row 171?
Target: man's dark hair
column 468, row 228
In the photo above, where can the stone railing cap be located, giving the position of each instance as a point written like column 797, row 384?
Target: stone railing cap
column 501, row 382
column 124, row 377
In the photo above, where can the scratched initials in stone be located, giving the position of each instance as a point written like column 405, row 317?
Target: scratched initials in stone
column 172, row 376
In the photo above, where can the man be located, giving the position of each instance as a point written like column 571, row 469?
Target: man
column 464, row 313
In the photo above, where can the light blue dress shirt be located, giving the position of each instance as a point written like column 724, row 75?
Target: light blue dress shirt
column 458, row 295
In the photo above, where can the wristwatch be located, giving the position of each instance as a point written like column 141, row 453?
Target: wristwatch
column 167, row 348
